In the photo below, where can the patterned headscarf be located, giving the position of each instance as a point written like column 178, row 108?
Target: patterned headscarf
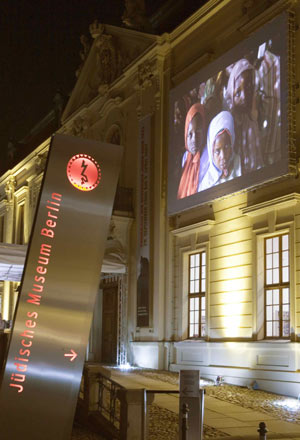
column 239, row 67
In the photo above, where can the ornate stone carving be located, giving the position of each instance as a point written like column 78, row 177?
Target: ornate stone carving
column 79, row 126
column 111, row 233
column 157, row 98
column 108, row 58
column 147, row 88
column 96, row 29
column 145, row 75
column 10, row 187
column 40, row 162
column 134, row 15
column 34, row 191
column 86, row 45
column 114, row 135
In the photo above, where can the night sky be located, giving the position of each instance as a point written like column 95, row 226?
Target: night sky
column 40, row 44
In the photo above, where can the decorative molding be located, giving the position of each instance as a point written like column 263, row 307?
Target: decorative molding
column 3, row 207
column 134, row 16
column 80, row 125
column 148, row 78
column 96, row 29
column 109, row 105
column 40, row 162
column 84, row 52
column 287, row 201
column 34, row 191
column 10, row 187
column 201, row 15
column 199, row 228
column 114, row 135
column 145, row 75
column 21, row 194
column 108, row 59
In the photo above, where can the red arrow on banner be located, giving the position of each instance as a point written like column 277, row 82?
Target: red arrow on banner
column 72, row 355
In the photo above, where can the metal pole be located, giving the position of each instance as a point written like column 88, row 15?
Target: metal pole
column 144, row 415
column 202, row 392
column 185, row 419
column 262, row 430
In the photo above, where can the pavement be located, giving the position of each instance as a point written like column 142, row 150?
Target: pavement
column 226, row 419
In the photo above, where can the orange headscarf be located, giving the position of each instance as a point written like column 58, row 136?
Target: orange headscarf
column 189, row 180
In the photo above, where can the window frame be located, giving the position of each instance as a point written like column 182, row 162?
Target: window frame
column 200, row 294
column 280, row 286
column 21, row 229
column 20, row 224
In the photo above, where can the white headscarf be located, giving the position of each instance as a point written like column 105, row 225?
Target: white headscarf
column 222, row 122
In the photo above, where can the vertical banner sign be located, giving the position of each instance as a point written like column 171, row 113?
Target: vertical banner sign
column 143, row 224
column 42, row 375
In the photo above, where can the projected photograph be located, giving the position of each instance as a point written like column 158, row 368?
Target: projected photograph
column 226, row 129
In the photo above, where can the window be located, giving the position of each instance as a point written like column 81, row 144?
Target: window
column 277, row 287
column 196, row 293
column 2, row 228
column 20, row 239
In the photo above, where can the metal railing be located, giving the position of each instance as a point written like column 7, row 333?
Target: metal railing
column 109, row 404
column 100, row 402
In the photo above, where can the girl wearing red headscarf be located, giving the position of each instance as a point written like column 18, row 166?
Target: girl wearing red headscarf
column 194, row 134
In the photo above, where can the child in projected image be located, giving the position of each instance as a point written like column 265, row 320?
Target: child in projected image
column 224, row 163
column 240, row 99
column 195, row 158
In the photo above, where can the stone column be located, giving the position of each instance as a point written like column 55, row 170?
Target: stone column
column 7, row 300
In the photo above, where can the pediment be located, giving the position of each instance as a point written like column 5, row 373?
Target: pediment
column 112, row 50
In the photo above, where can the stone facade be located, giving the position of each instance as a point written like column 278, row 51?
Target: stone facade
column 127, row 76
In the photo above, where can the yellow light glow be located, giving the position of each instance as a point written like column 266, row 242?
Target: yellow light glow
column 232, row 316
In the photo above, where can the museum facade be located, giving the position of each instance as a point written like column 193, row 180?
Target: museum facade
column 202, row 262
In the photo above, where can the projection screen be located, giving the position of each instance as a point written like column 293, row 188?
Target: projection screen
column 228, row 122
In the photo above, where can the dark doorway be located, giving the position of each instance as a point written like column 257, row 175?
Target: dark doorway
column 110, row 324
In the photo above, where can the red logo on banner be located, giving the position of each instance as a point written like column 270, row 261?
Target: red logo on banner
column 83, row 172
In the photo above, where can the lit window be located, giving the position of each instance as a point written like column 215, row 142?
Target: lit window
column 196, row 292
column 2, row 228
column 277, row 287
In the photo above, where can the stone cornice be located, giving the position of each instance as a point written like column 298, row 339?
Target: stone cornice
column 247, row 26
column 283, row 202
column 198, row 18
column 200, row 227
column 27, row 162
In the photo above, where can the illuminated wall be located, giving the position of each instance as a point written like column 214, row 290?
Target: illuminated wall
column 231, row 284
column 19, row 190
